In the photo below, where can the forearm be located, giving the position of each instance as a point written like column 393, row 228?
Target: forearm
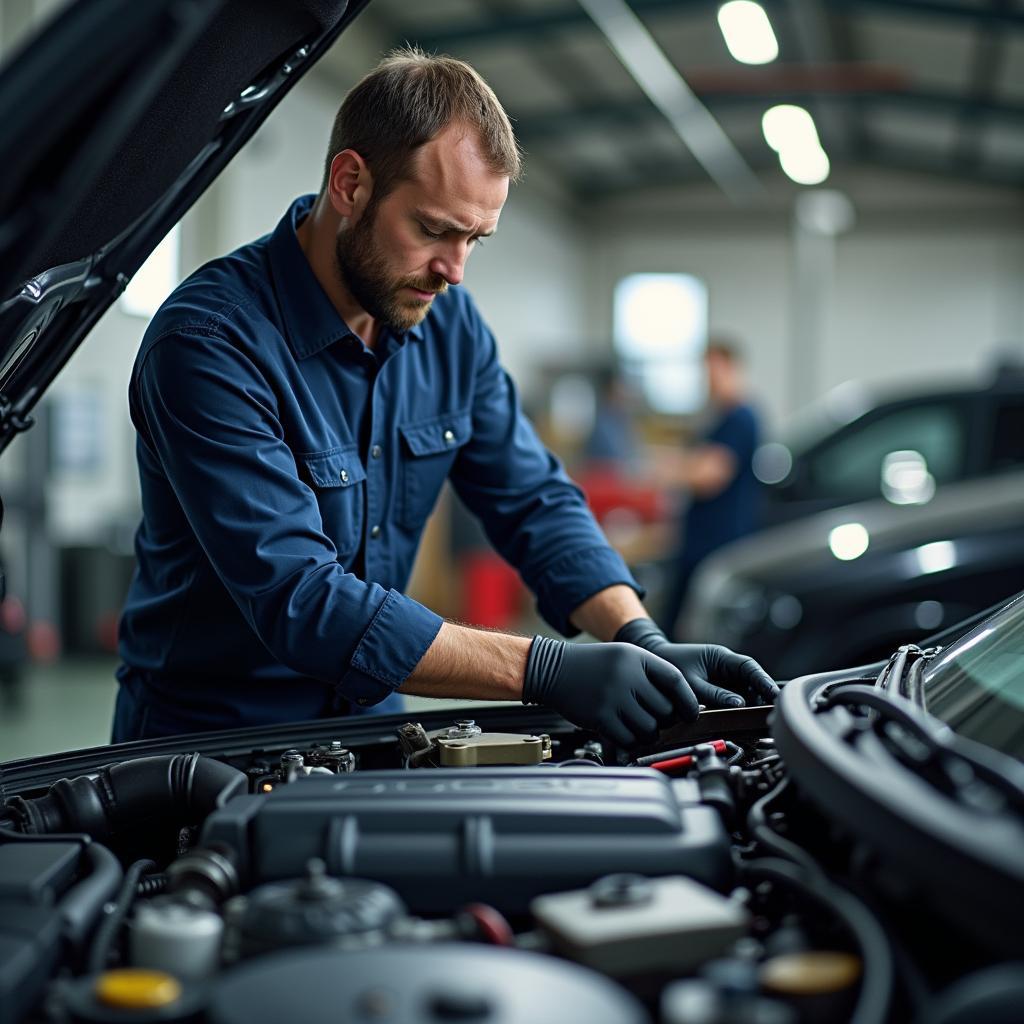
column 607, row 611
column 471, row 663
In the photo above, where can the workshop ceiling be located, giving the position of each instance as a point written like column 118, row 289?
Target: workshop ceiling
column 927, row 86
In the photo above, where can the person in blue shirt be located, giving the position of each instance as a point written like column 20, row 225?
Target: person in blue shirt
column 718, row 474
column 299, row 404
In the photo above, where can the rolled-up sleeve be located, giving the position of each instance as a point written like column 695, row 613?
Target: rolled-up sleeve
column 209, row 416
column 533, row 514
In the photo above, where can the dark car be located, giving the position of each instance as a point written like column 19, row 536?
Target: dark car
column 853, row 854
column 848, row 584
column 855, row 445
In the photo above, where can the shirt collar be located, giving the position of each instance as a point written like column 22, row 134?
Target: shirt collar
column 311, row 321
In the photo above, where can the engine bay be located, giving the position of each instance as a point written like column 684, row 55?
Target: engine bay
column 450, row 871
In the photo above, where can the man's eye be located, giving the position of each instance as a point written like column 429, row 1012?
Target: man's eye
column 430, row 234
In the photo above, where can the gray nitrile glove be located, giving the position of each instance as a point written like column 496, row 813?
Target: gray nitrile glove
column 618, row 690
column 719, row 677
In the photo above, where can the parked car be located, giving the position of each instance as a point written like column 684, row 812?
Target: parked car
column 855, row 444
column 773, row 865
column 846, row 585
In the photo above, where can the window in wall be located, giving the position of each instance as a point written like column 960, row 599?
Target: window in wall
column 156, row 278
column 660, row 330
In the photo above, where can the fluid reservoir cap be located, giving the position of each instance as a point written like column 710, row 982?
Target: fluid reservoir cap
column 811, row 973
column 135, row 989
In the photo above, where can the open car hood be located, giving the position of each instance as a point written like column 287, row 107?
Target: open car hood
column 117, row 116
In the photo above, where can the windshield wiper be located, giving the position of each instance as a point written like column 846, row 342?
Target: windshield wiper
column 902, row 673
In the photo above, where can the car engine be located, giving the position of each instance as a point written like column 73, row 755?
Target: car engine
column 447, row 872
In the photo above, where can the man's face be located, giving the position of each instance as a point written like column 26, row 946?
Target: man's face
column 412, row 244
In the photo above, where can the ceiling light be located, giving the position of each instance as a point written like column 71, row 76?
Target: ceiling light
column 808, row 166
column 787, row 126
column 748, row 32
column 790, row 131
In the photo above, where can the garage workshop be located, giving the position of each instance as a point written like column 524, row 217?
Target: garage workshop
column 512, row 511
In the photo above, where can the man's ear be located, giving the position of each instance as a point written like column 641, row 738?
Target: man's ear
column 350, row 184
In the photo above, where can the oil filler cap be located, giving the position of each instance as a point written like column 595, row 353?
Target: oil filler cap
column 135, row 989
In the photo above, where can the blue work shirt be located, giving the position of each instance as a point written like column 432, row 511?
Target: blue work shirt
column 287, row 472
column 733, row 512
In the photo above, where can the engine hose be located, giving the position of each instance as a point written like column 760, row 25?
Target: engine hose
column 757, row 826
column 83, row 903
column 876, row 953
column 110, row 927
column 171, row 790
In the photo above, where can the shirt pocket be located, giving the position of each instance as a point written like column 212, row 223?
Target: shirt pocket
column 428, row 451
column 338, row 478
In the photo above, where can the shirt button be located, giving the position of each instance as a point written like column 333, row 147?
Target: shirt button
column 375, row 532
column 344, row 476
column 375, row 452
column 448, row 437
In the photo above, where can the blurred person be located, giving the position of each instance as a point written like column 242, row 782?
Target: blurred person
column 612, row 438
column 716, row 472
column 299, row 404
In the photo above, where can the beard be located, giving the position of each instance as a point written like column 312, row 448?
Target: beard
column 363, row 269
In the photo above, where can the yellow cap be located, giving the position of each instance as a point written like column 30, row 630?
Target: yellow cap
column 136, row 989
column 811, row 973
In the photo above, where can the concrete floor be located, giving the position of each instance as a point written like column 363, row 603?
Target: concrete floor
column 69, row 705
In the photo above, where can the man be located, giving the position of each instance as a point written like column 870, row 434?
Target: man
column 717, row 472
column 299, row 404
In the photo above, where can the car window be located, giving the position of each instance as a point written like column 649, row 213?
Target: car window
column 851, row 468
column 1008, row 435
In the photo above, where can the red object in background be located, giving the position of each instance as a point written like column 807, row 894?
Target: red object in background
column 43, row 641
column 492, row 591
column 608, row 490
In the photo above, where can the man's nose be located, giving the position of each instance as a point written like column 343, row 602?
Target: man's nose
column 451, row 264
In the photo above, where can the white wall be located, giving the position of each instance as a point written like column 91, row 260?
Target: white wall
column 916, row 295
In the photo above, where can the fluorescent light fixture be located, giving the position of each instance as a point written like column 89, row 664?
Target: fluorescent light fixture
column 936, row 557
column 790, row 131
column 748, row 32
column 805, row 166
column 787, row 126
column 848, row 541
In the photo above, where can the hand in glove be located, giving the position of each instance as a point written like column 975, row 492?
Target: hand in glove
column 619, row 690
column 719, row 678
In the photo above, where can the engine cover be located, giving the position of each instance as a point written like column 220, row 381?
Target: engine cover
column 501, row 836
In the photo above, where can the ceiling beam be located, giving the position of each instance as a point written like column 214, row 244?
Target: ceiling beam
column 595, row 189
column 539, row 128
column 1005, row 17
column 517, row 27
column 660, row 80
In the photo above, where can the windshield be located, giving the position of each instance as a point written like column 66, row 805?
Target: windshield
column 977, row 685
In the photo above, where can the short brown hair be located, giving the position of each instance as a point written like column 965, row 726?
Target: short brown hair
column 408, row 99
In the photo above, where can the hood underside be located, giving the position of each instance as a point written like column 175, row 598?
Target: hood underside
column 117, row 116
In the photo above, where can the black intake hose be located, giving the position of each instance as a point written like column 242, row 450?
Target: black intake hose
column 168, row 790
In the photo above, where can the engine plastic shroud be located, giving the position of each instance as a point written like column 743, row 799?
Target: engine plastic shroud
column 442, row 837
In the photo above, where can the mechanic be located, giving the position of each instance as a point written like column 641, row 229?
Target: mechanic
column 718, row 472
column 299, row 404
